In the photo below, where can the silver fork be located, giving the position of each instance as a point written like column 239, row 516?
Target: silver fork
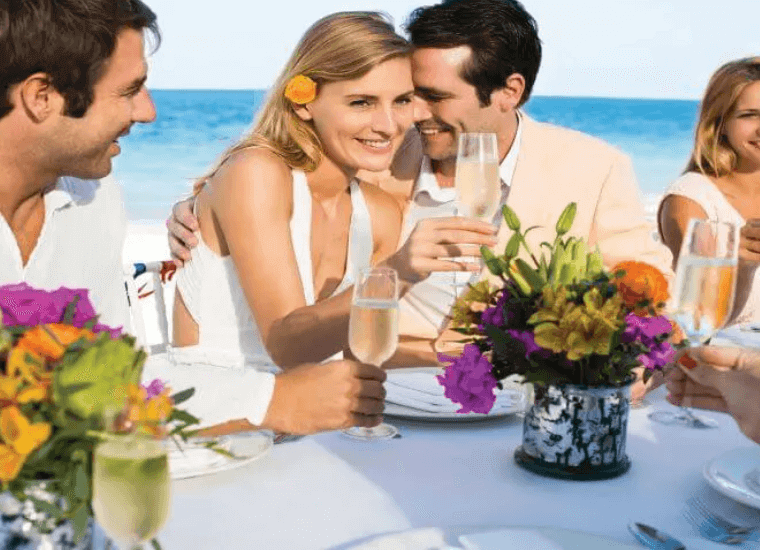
column 717, row 528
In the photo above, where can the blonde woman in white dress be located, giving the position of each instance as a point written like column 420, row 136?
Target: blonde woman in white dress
column 722, row 179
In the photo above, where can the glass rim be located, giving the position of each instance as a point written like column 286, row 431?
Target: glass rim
column 379, row 270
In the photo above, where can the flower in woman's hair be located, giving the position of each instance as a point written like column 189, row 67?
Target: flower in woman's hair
column 301, row 90
column 641, row 286
column 468, row 380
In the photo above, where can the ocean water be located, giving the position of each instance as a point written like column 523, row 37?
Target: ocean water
column 159, row 161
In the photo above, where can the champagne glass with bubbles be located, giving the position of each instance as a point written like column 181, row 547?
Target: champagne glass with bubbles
column 477, row 182
column 373, row 330
column 704, row 293
column 131, row 490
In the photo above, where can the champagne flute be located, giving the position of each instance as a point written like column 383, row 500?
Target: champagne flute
column 373, row 330
column 704, row 293
column 131, row 488
column 477, row 181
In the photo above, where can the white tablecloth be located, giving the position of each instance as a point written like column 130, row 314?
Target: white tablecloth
column 326, row 490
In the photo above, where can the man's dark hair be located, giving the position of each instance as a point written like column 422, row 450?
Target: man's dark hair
column 503, row 38
column 69, row 40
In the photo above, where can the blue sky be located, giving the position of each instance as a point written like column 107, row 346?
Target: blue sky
column 602, row 48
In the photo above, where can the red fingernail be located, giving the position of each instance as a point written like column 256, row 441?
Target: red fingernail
column 687, row 361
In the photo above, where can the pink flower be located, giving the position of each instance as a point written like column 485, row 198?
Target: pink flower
column 468, row 380
column 24, row 305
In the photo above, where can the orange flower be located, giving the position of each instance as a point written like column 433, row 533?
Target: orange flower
column 19, row 433
column 10, row 463
column 148, row 415
column 641, row 286
column 50, row 341
column 301, row 90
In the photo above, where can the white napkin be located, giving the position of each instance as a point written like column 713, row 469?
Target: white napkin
column 418, row 539
column 421, row 391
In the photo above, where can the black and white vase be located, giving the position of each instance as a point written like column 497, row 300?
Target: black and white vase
column 23, row 527
column 576, row 432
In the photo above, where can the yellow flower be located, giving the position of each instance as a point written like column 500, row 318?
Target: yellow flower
column 12, row 390
column 148, row 414
column 19, row 433
column 10, row 463
column 576, row 330
column 301, row 90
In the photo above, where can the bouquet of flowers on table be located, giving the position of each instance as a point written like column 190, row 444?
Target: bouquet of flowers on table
column 557, row 318
column 63, row 373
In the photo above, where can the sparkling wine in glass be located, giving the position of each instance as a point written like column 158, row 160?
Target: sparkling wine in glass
column 373, row 330
column 477, row 182
column 703, row 294
column 131, row 488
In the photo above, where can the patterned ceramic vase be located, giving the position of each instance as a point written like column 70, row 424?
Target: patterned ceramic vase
column 25, row 527
column 576, row 432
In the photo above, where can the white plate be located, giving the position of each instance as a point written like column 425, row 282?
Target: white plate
column 726, row 473
column 400, row 411
column 195, row 460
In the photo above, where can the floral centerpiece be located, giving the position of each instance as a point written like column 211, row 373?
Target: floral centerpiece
column 564, row 323
column 63, row 373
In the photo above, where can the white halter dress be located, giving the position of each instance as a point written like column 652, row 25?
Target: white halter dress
column 211, row 291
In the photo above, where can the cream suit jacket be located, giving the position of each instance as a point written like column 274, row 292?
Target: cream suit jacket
column 555, row 166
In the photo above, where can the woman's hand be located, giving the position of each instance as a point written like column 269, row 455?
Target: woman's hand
column 749, row 242
column 434, row 243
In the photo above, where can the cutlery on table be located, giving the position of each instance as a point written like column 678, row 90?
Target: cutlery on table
column 652, row 538
column 717, row 528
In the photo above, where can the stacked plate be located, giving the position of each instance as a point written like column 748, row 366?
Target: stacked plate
column 416, row 393
column 193, row 458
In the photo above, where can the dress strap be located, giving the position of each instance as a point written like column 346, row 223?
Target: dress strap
column 300, row 232
column 360, row 240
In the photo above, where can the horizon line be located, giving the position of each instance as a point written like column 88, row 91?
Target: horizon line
column 553, row 96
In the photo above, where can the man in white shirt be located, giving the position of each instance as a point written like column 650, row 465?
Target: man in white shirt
column 72, row 82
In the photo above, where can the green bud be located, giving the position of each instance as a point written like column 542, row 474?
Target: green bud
column 566, row 219
column 513, row 246
column 491, row 261
column 530, row 275
column 513, row 222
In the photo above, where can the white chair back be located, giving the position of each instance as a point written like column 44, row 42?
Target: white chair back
column 143, row 279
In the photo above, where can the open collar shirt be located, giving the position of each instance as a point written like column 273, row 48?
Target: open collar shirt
column 80, row 246
column 431, row 300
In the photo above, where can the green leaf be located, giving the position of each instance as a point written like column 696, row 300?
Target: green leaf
column 566, row 219
column 46, row 507
column 183, row 416
column 79, row 521
column 155, row 544
column 513, row 246
column 70, row 311
column 81, row 482
column 492, row 263
column 513, row 222
column 531, row 275
column 184, row 395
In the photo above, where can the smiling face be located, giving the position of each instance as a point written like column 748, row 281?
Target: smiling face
column 86, row 145
column 362, row 122
column 742, row 128
column 449, row 105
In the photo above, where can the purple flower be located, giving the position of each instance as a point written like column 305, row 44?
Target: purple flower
column 24, row 305
column 644, row 329
column 154, row 388
column 495, row 315
column 468, row 380
column 528, row 340
column 659, row 355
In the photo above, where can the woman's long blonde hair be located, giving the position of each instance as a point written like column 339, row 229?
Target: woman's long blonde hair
column 341, row 46
column 712, row 154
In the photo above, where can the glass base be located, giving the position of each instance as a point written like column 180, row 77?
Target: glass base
column 686, row 419
column 381, row 431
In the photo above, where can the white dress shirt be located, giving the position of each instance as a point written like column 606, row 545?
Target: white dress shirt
column 80, row 246
column 428, row 303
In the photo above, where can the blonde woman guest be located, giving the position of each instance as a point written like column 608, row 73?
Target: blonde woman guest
column 284, row 224
column 722, row 179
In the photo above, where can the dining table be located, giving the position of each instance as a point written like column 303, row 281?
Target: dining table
column 328, row 490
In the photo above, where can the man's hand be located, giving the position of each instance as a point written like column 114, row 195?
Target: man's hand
column 721, row 379
column 181, row 225
column 330, row 396
column 435, row 241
